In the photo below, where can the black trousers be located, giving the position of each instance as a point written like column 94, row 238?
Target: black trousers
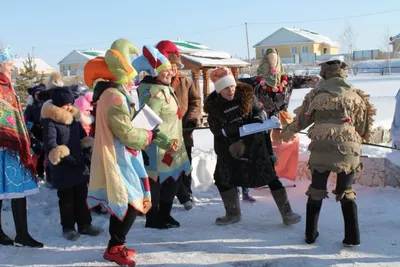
column 319, row 181
column 119, row 229
column 40, row 164
column 274, row 185
column 73, row 207
column 163, row 192
column 184, row 190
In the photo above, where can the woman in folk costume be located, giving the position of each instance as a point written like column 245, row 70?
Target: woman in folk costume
column 241, row 161
column 17, row 171
column 273, row 89
column 190, row 105
column 118, row 179
column 341, row 119
column 168, row 159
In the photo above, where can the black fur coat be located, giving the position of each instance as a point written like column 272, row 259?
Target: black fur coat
column 255, row 168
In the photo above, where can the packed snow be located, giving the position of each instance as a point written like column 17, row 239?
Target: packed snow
column 260, row 239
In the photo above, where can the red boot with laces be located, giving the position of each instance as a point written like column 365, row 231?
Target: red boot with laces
column 120, row 255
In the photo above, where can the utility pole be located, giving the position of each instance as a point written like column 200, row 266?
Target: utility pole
column 248, row 47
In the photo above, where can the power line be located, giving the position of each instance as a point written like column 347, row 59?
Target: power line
column 327, row 19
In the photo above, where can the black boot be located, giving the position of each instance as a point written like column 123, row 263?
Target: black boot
column 4, row 239
column 351, row 230
column 165, row 214
column 312, row 217
column 22, row 238
column 153, row 219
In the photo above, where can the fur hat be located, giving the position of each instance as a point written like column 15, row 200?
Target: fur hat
column 152, row 61
column 170, row 51
column 37, row 88
column 84, row 102
column 222, row 77
column 114, row 66
column 62, row 96
column 55, row 80
column 5, row 54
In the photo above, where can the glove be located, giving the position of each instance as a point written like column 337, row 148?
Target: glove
column 231, row 130
column 237, row 150
column 256, row 119
column 70, row 160
column 146, row 159
column 155, row 132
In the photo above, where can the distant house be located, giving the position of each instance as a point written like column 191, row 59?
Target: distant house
column 395, row 42
column 292, row 41
column 75, row 61
column 41, row 65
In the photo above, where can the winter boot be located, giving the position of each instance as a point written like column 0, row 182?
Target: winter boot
column 153, row 219
column 232, row 207
column 165, row 214
column 22, row 238
column 119, row 255
column 4, row 239
column 90, row 230
column 71, row 234
column 188, row 205
column 312, row 217
column 282, row 201
column 248, row 198
column 351, row 230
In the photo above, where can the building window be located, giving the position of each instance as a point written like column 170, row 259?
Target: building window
column 69, row 68
column 63, row 68
column 304, row 49
column 262, row 52
column 294, row 50
column 325, row 50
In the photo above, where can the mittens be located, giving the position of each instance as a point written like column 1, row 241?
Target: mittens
column 237, row 149
column 70, row 160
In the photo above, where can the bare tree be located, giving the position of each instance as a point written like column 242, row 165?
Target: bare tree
column 384, row 46
column 348, row 40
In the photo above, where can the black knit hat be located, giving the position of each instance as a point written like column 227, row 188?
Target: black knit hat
column 38, row 88
column 62, row 96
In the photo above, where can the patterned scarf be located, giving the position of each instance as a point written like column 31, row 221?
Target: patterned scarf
column 271, row 68
column 13, row 132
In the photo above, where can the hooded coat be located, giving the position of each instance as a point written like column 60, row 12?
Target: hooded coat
column 341, row 118
column 64, row 136
column 255, row 167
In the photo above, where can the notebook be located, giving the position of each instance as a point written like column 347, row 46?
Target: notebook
column 146, row 118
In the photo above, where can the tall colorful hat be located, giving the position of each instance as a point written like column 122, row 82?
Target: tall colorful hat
column 5, row 54
column 152, row 61
column 114, row 66
column 170, row 51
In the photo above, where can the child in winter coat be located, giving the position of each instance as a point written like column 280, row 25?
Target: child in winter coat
column 34, row 126
column 241, row 161
column 64, row 138
column 85, row 106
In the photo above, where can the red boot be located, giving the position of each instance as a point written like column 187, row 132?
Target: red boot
column 131, row 252
column 119, row 255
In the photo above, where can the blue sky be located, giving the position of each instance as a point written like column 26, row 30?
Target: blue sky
column 55, row 28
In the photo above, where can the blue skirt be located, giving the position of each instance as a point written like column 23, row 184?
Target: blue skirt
column 15, row 180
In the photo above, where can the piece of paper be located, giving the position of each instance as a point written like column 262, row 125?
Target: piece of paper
column 146, row 118
column 252, row 128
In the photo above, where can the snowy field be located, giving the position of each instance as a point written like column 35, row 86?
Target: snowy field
column 259, row 239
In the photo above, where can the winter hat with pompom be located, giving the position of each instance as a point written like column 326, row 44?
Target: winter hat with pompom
column 222, row 77
column 152, row 61
column 62, row 96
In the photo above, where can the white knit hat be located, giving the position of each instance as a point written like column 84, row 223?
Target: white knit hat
column 222, row 77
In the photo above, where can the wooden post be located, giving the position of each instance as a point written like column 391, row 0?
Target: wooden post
column 206, row 85
column 196, row 78
column 235, row 72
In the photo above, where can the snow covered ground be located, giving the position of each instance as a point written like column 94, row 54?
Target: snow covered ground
column 259, row 239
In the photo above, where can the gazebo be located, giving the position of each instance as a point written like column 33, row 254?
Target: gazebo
column 199, row 59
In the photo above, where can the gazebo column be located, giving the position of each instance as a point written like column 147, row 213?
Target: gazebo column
column 206, row 83
column 235, row 72
column 196, row 78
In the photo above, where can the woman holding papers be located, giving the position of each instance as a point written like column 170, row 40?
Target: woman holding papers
column 241, row 161
column 341, row 119
column 118, row 179
column 168, row 159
